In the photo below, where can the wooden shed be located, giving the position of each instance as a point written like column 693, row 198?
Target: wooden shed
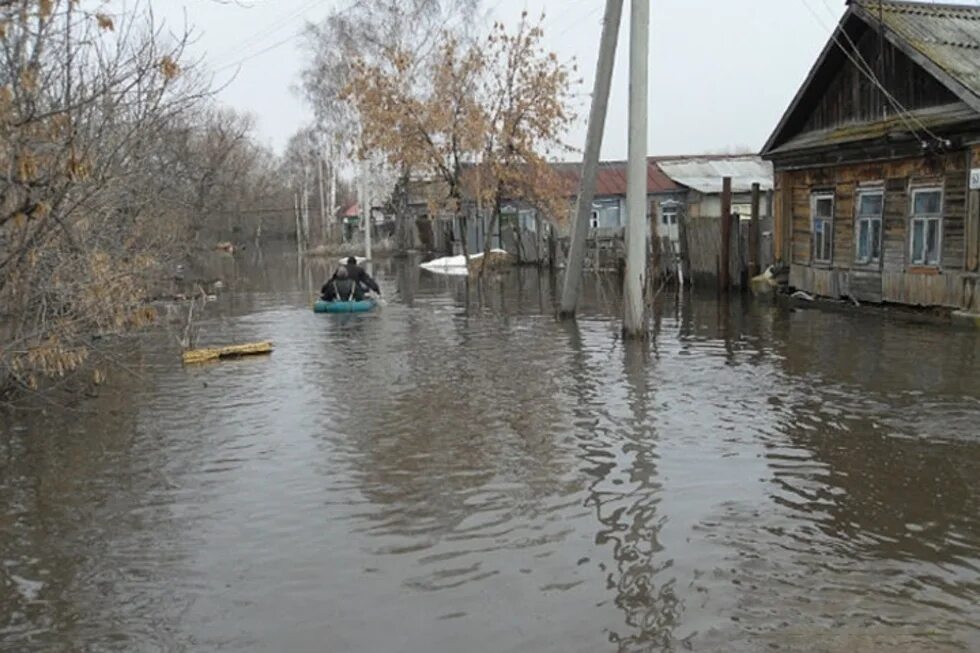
column 874, row 196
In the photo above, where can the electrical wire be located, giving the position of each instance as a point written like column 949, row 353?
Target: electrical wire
column 239, row 62
column 279, row 43
column 898, row 106
column 259, row 36
column 904, row 114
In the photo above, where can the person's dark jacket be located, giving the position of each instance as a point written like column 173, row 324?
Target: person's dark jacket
column 341, row 290
column 360, row 275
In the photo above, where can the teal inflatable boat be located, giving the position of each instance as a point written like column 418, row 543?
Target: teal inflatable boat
column 353, row 306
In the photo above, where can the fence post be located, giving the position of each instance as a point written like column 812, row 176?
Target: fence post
column 754, row 233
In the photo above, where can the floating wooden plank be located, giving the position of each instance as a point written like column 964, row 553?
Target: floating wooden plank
column 230, row 351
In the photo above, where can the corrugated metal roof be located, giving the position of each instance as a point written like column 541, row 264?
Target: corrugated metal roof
column 611, row 178
column 946, row 34
column 704, row 174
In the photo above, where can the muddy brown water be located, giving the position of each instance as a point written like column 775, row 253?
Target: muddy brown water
column 460, row 472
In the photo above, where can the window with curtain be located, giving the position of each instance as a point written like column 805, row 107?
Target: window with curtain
column 925, row 233
column 868, row 229
column 822, row 210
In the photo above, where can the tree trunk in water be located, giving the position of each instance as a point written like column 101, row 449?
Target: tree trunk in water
column 403, row 224
column 461, row 221
column 494, row 222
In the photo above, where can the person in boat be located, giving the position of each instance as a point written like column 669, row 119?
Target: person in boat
column 341, row 288
column 360, row 276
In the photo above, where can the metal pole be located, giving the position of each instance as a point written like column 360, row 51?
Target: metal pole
column 299, row 229
column 590, row 161
column 367, row 212
column 754, row 232
column 634, row 313
column 724, row 273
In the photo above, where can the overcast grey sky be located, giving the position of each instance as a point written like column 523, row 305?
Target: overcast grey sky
column 721, row 71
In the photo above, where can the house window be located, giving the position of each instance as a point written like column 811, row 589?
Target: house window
column 869, row 209
column 594, row 220
column 669, row 216
column 926, row 231
column 822, row 205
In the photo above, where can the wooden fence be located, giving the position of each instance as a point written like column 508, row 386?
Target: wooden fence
column 698, row 253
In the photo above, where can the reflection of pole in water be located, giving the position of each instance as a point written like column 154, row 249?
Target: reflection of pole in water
column 632, row 524
column 625, row 495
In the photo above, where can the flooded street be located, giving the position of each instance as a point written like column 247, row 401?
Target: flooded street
column 460, row 472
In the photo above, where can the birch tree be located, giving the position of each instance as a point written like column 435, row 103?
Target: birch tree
column 366, row 31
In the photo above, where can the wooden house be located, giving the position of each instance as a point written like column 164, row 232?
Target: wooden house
column 874, row 195
column 609, row 217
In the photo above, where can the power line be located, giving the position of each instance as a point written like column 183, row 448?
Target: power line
column 256, row 54
column 262, row 34
column 867, row 72
column 898, row 106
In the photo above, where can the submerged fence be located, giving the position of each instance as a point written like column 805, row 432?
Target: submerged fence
column 697, row 251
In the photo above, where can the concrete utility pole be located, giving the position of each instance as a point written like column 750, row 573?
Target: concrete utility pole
column 590, row 162
column 333, row 186
column 634, row 309
column 305, row 208
column 323, row 210
column 299, row 228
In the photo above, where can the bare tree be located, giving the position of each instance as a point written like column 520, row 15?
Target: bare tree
column 110, row 150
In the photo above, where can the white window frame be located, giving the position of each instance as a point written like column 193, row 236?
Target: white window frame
column 859, row 218
column 926, row 218
column 828, row 233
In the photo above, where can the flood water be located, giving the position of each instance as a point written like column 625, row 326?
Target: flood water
column 460, row 472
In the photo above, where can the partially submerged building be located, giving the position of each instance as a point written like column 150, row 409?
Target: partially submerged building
column 877, row 159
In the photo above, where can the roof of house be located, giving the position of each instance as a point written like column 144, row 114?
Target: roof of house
column 704, row 174
column 352, row 211
column 611, row 178
column 946, row 35
column 942, row 38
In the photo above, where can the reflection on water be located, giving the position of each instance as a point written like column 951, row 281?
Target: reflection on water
column 458, row 471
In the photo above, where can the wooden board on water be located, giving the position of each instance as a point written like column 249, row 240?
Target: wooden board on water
column 230, row 351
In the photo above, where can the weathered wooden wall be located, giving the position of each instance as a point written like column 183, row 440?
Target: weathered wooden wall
column 851, row 96
column 972, row 226
column 894, row 279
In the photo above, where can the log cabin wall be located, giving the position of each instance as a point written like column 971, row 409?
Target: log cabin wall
column 894, row 278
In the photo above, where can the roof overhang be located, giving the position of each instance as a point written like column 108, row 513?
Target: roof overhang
column 856, row 18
